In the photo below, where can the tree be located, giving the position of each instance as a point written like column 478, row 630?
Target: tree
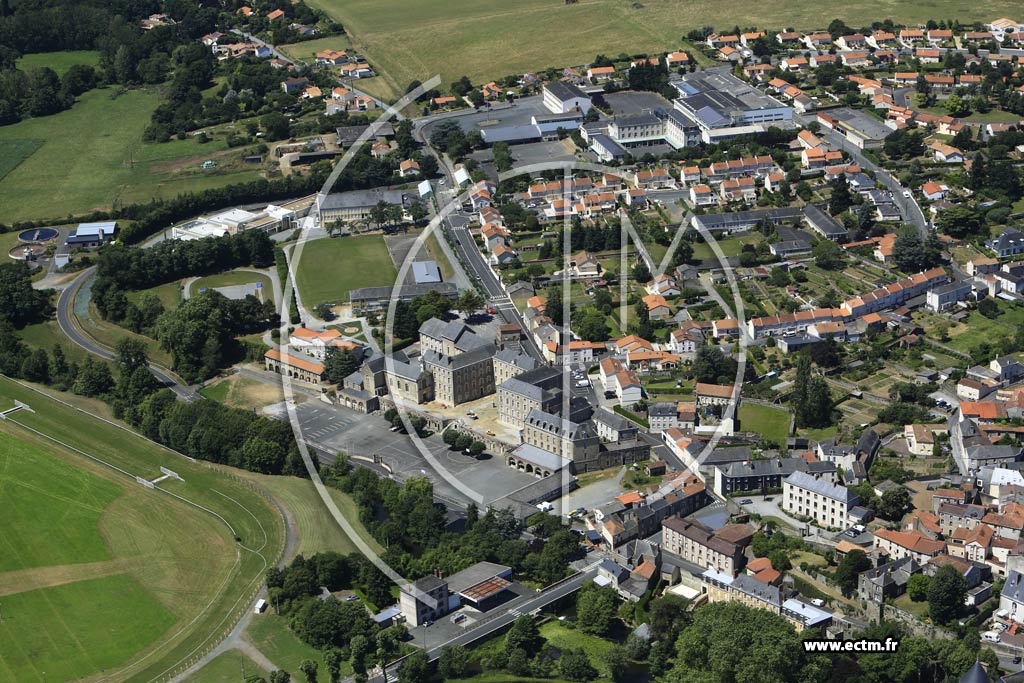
column 20, row 303
column 946, row 593
column 275, row 125
column 591, row 324
column 913, row 254
column 827, row 254
column 280, row 676
column 714, row 367
column 415, row 668
column 523, row 635
column 451, row 438
column 893, row 504
column 988, row 308
column 464, row 442
column 476, row 448
column 469, row 301
column 959, row 220
column 595, row 609
column 855, row 562
column 308, row 668
column 453, row 662
column 574, row 665
column 339, row 364
column 841, row 198
column 917, row 587
column 730, row 642
column 36, row 366
column 641, row 273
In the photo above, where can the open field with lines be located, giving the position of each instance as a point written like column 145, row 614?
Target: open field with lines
column 329, row 268
column 100, row 572
column 486, row 40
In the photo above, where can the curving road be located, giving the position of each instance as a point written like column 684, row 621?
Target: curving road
column 66, row 320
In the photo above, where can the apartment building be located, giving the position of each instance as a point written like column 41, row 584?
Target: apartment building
column 826, row 503
column 721, row 550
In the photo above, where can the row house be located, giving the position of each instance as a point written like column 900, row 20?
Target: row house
column 653, row 178
column 855, row 41
column 816, row 40
column 881, row 39
column 739, row 189
column 746, row 166
column 702, row 195
column 854, row 59
column 822, row 59
column 721, row 549
column 901, row 544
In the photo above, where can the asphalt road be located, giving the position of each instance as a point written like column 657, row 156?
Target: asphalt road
column 908, row 205
column 65, row 318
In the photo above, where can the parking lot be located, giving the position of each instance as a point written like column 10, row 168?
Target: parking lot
column 331, row 429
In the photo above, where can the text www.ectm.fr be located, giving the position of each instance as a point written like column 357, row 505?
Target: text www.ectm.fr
column 887, row 645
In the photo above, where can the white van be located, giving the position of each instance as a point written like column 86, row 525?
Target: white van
column 991, row 636
column 261, row 605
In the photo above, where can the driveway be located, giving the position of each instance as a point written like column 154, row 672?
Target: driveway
column 770, row 508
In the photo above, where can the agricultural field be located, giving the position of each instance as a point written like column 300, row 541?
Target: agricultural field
column 96, row 148
column 329, row 268
column 100, row 573
column 402, row 41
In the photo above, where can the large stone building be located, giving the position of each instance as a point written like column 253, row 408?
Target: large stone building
column 721, row 587
column 302, row 369
column 461, row 378
column 721, row 550
column 511, row 362
column 538, row 389
column 826, row 503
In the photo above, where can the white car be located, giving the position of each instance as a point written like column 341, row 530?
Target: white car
column 906, row 193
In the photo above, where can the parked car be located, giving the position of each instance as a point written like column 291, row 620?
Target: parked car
column 746, row 501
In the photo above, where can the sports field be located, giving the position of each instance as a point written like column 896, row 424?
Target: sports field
column 92, row 156
column 485, row 40
column 329, row 268
column 99, row 572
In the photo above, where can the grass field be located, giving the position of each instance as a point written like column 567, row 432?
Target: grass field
column 62, row 632
column 51, row 509
column 316, row 528
column 226, row 668
column 174, row 577
column 329, row 268
column 486, row 40
column 561, row 637
column 96, row 150
column 239, row 391
column 46, row 335
column 169, row 294
column 233, row 277
column 771, row 423
column 15, row 151
column 306, row 51
column 272, row 636
column 58, row 61
column 108, row 334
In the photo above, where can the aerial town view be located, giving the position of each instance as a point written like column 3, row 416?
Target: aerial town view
column 544, row 341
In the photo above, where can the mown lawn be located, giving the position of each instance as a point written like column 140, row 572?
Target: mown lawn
column 771, row 423
column 272, row 636
column 329, row 268
column 233, row 277
column 62, row 632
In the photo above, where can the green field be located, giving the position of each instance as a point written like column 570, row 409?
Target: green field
column 233, row 277
column 51, row 509
column 306, row 50
column 272, row 636
column 226, row 668
column 14, row 151
column 58, row 61
column 62, row 632
column 329, row 268
column 169, row 294
column 110, row 574
column 46, row 335
column 96, row 152
column 486, row 40
column 771, row 423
